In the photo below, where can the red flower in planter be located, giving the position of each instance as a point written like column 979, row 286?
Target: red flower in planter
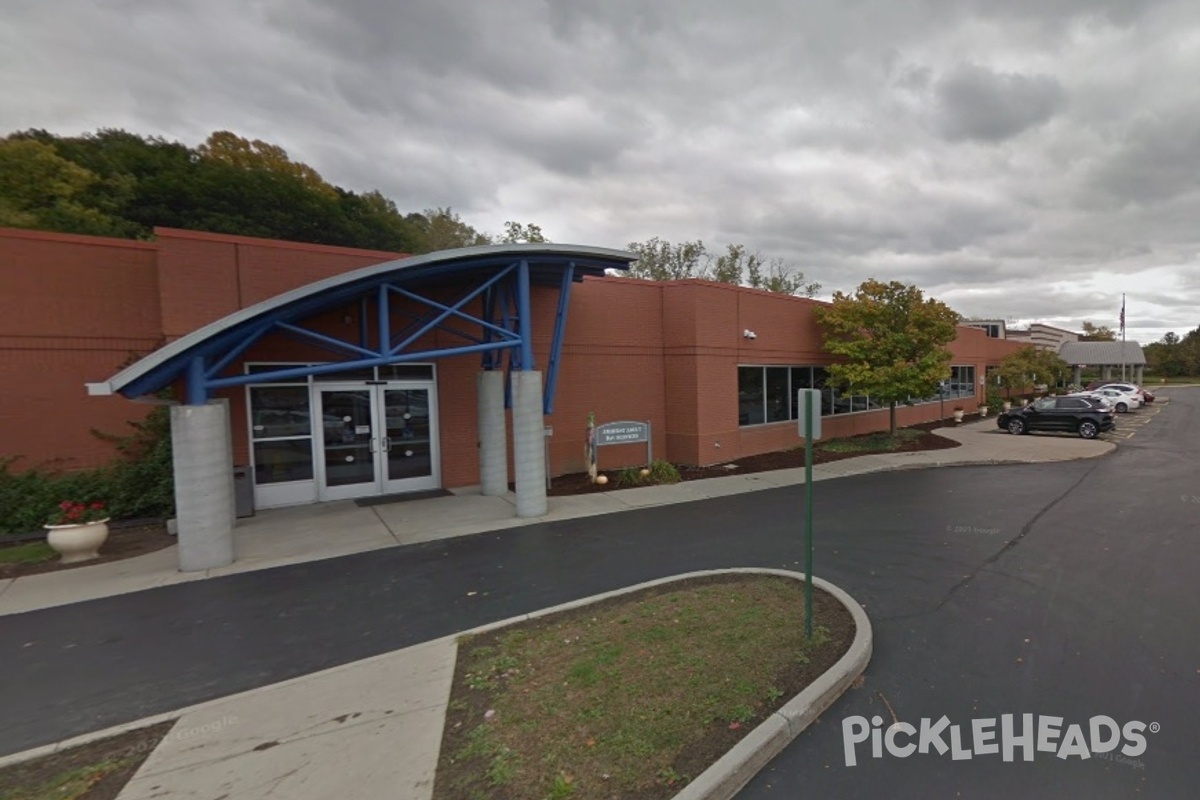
column 72, row 513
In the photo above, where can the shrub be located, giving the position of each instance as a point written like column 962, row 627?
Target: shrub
column 664, row 472
column 631, row 476
column 138, row 483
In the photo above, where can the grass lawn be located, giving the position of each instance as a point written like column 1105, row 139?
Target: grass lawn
column 95, row 771
column 29, row 553
column 633, row 696
column 871, row 443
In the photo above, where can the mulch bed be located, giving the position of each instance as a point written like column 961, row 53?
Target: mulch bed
column 123, row 542
column 580, row 483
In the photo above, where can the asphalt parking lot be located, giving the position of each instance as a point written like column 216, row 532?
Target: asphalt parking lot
column 1129, row 423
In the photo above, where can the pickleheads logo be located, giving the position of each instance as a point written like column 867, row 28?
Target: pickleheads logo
column 1045, row 735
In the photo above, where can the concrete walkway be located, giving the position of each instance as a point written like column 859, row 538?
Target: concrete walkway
column 373, row 727
column 316, row 532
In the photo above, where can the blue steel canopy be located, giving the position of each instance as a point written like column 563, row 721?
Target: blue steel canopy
column 499, row 275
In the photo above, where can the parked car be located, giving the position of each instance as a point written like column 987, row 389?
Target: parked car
column 1069, row 414
column 1121, row 401
column 1142, row 394
column 1102, row 402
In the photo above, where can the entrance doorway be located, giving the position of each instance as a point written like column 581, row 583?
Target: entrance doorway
column 376, row 439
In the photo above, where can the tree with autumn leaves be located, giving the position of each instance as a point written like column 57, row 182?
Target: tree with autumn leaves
column 891, row 341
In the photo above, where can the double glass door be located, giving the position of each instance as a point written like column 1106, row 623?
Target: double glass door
column 376, row 439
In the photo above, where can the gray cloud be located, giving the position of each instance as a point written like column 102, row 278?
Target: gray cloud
column 973, row 148
column 977, row 103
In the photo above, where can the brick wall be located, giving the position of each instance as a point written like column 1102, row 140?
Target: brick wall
column 72, row 309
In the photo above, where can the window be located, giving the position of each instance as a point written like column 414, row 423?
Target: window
column 751, row 391
column 962, row 382
column 778, row 394
column 768, row 394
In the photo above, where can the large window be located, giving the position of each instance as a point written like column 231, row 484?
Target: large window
column 768, row 393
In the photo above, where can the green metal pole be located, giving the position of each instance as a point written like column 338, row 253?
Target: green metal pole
column 808, row 521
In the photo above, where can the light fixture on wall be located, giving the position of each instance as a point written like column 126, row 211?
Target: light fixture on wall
column 749, row 334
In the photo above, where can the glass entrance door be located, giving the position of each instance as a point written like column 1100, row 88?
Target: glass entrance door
column 348, row 443
column 380, row 439
column 409, row 445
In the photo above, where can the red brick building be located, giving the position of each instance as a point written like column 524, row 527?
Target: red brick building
column 75, row 309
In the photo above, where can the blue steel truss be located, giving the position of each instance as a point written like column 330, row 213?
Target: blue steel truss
column 501, row 333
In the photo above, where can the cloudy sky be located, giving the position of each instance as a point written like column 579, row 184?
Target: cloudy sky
column 1026, row 159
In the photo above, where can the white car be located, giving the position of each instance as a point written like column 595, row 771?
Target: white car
column 1102, row 402
column 1128, row 388
column 1120, row 401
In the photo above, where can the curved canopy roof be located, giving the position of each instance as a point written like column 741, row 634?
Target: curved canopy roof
column 547, row 264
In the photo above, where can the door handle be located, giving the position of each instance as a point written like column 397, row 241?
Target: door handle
column 387, row 444
column 373, row 444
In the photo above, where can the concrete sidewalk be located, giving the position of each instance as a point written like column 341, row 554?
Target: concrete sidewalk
column 373, row 727
column 327, row 530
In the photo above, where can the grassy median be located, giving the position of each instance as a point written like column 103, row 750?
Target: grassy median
column 634, row 696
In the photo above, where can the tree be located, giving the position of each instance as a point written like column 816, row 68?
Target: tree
column 659, row 260
column 443, row 229
column 515, row 232
column 1097, row 333
column 236, row 151
column 1031, row 366
column 893, row 342
column 781, row 278
column 1165, row 358
column 41, row 189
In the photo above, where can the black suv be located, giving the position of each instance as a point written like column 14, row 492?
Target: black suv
column 1071, row 414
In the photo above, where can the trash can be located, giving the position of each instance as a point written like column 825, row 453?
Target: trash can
column 243, row 491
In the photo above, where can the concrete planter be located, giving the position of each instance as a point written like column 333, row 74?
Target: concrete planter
column 79, row 542
column 958, row 414
column 983, row 411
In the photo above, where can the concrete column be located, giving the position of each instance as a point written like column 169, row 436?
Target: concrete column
column 1138, row 372
column 493, row 432
column 1077, row 376
column 529, row 455
column 1106, row 373
column 204, row 499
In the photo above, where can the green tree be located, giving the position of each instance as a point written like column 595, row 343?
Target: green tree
column 892, row 341
column 1167, row 357
column 1031, row 366
column 659, row 260
column 1097, row 333
column 515, row 232
column 130, row 184
column 782, row 278
column 229, row 148
column 41, row 189
column 443, row 229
